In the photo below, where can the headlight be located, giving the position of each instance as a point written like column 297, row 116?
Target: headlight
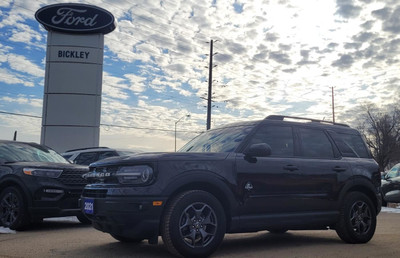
column 53, row 173
column 134, row 174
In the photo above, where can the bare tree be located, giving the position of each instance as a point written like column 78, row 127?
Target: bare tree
column 381, row 129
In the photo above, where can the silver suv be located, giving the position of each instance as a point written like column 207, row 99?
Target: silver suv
column 85, row 156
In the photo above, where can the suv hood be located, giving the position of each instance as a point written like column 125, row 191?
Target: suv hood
column 163, row 156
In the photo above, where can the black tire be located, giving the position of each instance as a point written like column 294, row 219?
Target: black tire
column 83, row 219
column 126, row 239
column 357, row 220
column 193, row 224
column 13, row 210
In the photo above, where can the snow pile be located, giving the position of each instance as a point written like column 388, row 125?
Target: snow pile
column 4, row 230
column 391, row 210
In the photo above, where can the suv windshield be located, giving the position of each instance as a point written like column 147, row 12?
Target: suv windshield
column 28, row 152
column 394, row 171
column 224, row 139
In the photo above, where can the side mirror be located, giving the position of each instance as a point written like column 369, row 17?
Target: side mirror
column 258, row 150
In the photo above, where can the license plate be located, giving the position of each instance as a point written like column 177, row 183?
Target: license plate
column 88, row 206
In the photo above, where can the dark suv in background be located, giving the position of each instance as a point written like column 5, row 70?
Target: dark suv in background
column 36, row 183
column 277, row 174
column 85, row 156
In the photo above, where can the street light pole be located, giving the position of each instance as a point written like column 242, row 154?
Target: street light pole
column 176, row 124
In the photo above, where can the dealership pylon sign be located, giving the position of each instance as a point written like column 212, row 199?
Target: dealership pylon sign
column 76, row 18
column 73, row 79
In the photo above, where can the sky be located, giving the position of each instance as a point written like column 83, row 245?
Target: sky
column 272, row 57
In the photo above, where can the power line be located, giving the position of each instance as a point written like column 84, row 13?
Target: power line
column 110, row 125
column 16, row 114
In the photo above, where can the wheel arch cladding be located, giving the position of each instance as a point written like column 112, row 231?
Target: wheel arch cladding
column 364, row 186
column 207, row 182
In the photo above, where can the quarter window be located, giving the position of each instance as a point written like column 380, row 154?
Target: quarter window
column 279, row 138
column 353, row 146
column 315, row 144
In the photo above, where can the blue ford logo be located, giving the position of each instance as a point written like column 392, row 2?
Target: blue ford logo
column 76, row 18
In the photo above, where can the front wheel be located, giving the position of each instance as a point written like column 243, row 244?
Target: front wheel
column 357, row 220
column 194, row 224
column 13, row 211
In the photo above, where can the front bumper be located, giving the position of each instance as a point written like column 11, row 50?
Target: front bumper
column 131, row 217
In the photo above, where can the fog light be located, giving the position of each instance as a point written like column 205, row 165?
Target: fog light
column 54, row 191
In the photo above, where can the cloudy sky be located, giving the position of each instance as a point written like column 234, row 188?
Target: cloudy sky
column 273, row 57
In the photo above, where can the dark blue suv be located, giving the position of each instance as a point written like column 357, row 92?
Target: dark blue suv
column 36, row 183
column 277, row 174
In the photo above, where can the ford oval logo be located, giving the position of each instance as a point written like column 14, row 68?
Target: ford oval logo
column 75, row 18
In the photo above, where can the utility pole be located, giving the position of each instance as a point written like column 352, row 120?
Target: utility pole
column 333, row 106
column 210, row 67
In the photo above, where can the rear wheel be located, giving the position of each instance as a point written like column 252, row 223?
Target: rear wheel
column 357, row 221
column 13, row 210
column 194, row 224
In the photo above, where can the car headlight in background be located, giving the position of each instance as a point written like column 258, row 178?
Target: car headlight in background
column 53, row 173
column 134, row 174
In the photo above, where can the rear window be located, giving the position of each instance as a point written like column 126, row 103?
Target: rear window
column 351, row 145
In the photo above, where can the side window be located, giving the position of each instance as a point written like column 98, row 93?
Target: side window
column 67, row 156
column 86, row 158
column 315, row 144
column 354, row 145
column 279, row 138
column 107, row 154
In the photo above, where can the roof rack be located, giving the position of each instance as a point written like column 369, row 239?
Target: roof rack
column 88, row 148
column 281, row 118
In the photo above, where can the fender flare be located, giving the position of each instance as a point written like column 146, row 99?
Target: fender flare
column 203, row 180
column 359, row 184
column 10, row 180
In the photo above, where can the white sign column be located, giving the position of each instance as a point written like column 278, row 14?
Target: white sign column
column 73, row 79
column 72, row 93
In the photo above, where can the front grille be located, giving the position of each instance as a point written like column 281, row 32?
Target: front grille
column 94, row 193
column 73, row 177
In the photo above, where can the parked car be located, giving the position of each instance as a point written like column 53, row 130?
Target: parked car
column 35, row 183
column 391, row 183
column 393, row 196
column 275, row 174
column 85, row 156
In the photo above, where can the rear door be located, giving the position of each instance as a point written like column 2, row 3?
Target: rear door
column 321, row 170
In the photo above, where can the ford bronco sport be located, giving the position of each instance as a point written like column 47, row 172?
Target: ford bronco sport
column 277, row 174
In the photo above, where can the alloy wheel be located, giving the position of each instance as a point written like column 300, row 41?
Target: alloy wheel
column 198, row 224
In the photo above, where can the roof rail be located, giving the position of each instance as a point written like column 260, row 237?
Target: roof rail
column 281, row 118
column 88, row 148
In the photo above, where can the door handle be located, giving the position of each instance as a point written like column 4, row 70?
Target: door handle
column 339, row 169
column 290, row 167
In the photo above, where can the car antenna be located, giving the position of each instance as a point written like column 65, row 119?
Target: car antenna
column 15, row 135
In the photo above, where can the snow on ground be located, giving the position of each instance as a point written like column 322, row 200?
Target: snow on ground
column 4, row 230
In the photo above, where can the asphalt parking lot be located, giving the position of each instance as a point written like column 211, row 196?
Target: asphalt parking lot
column 66, row 237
